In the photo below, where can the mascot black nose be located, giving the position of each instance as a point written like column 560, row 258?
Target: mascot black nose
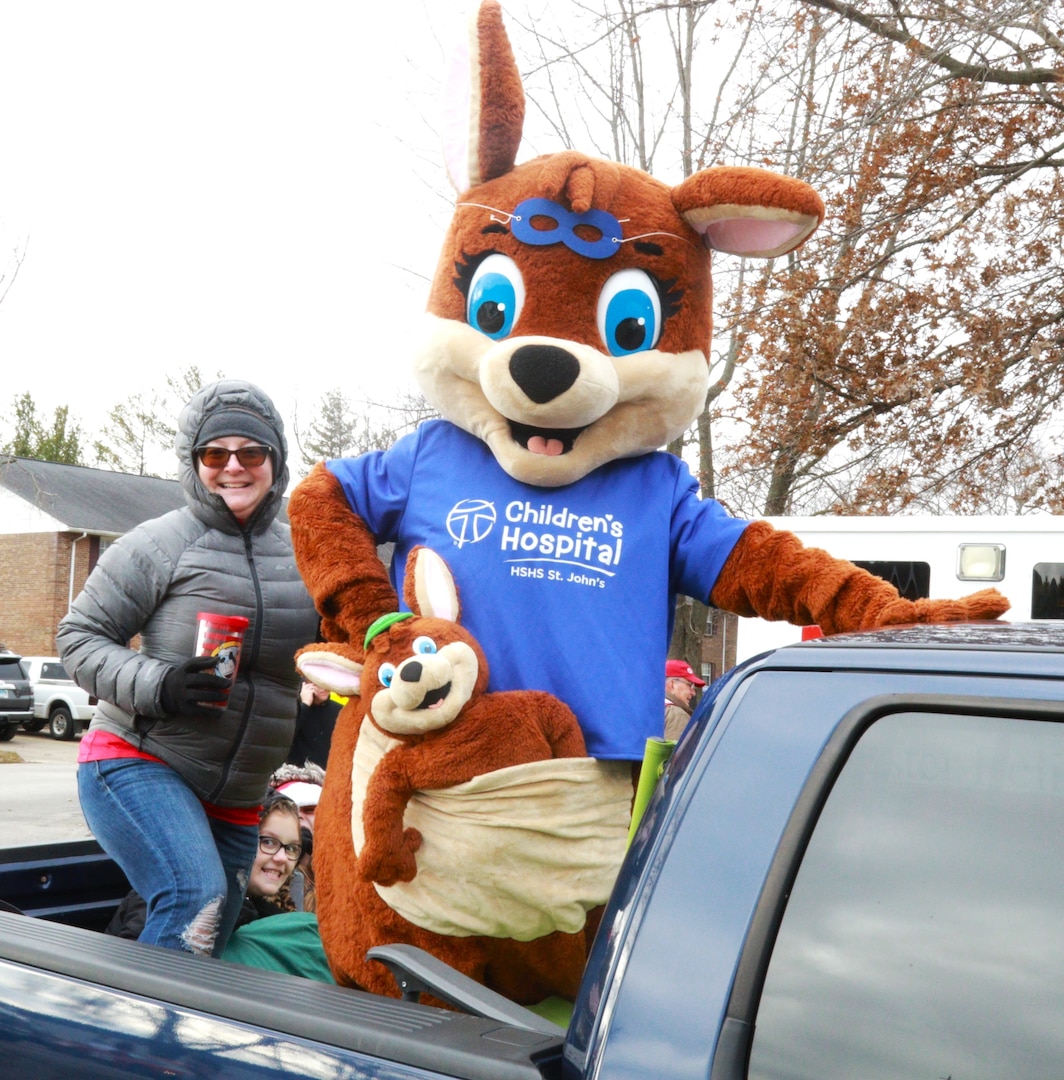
column 410, row 672
column 543, row 372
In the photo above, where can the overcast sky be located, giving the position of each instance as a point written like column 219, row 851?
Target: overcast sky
column 254, row 187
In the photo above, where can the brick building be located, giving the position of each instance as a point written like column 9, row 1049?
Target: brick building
column 54, row 522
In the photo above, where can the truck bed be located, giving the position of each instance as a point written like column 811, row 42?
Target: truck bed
column 850, row 867
column 72, row 996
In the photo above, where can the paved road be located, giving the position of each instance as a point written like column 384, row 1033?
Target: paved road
column 39, row 794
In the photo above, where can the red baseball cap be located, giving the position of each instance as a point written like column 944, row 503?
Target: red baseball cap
column 681, row 669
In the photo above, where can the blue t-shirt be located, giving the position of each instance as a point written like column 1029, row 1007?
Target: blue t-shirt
column 568, row 589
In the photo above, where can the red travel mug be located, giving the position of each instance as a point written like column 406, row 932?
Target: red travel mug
column 221, row 636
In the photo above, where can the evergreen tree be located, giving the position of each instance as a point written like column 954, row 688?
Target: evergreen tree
column 338, row 431
column 59, row 440
column 332, row 433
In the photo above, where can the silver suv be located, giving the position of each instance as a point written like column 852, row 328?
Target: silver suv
column 57, row 700
column 16, row 698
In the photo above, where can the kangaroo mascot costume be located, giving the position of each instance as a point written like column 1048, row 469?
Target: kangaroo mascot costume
column 568, row 325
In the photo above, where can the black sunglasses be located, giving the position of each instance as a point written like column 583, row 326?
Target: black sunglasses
column 270, row 845
column 217, row 457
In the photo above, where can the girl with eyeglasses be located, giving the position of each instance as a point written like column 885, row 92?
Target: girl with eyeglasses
column 173, row 768
column 279, row 851
column 280, row 847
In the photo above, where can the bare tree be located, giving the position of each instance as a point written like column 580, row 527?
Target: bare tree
column 920, row 336
column 917, row 339
column 140, row 431
column 136, row 437
column 982, row 42
column 9, row 270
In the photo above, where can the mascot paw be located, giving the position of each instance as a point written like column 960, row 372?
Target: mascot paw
column 985, row 604
column 979, row 606
column 391, row 867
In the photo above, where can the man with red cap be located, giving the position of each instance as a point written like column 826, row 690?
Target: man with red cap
column 680, row 685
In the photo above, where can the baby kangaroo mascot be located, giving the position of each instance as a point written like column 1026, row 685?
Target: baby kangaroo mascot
column 566, row 339
column 439, row 796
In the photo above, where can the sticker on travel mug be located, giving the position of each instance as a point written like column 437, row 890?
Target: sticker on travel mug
column 222, row 637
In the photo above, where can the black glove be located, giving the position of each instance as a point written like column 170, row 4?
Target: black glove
column 193, row 689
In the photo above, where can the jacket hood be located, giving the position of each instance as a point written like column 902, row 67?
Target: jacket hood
column 227, row 395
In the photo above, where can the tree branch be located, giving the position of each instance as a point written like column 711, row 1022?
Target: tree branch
column 1029, row 76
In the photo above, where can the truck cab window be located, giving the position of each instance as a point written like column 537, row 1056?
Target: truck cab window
column 921, row 937
column 1047, row 598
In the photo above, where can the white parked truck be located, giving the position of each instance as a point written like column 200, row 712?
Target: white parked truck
column 57, row 700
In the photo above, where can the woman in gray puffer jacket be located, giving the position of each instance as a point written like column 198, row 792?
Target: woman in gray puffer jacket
column 171, row 775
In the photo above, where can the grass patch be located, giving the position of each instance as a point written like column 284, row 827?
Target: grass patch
column 7, row 756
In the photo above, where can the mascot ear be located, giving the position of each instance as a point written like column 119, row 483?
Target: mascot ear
column 485, row 103
column 332, row 667
column 429, row 588
column 745, row 211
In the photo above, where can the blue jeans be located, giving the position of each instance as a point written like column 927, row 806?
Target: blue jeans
column 190, row 868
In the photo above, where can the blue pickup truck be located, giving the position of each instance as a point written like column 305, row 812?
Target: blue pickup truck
column 851, row 868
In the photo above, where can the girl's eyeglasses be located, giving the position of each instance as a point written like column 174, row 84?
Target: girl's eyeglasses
column 270, row 845
column 217, row 457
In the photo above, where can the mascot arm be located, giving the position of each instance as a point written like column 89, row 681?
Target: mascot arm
column 771, row 574
column 388, row 854
column 337, row 556
column 558, row 723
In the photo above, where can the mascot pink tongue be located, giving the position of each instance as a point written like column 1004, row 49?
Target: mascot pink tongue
column 568, row 531
column 548, row 447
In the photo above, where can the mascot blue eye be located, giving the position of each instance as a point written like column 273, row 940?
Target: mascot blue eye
column 424, row 645
column 496, row 296
column 385, row 673
column 629, row 313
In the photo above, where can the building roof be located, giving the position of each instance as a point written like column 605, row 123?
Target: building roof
column 89, row 500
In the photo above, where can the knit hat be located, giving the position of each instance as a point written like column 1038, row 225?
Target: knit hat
column 304, row 795
column 225, row 422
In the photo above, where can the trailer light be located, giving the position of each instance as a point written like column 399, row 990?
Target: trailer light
column 980, row 562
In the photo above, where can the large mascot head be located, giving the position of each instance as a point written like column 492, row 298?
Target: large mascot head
column 571, row 307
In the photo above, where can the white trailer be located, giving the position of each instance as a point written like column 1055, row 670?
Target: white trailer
column 942, row 557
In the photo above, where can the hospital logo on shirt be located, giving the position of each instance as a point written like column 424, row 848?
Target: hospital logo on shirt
column 470, row 521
